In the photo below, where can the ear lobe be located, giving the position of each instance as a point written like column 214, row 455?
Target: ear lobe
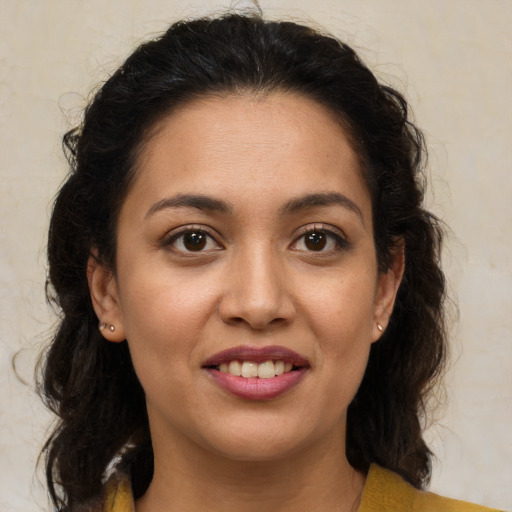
column 387, row 288
column 105, row 299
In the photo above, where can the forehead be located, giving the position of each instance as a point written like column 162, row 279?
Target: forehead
column 242, row 146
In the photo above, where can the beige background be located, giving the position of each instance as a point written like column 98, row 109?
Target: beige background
column 453, row 58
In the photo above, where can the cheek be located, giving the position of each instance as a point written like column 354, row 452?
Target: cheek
column 342, row 305
column 341, row 316
column 165, row 315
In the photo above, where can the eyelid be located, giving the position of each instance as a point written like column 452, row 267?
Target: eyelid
column 339, row 236
column 331, row 231
column 171, row 236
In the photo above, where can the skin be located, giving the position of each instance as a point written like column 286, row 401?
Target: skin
column 255, row 283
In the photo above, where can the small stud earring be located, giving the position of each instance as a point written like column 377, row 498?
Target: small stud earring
column 112, row 328
column 381, row 329
column 102, row 326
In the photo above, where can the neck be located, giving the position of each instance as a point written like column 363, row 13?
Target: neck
column 194, row 479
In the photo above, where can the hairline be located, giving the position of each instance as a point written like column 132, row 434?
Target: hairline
column 155, row 124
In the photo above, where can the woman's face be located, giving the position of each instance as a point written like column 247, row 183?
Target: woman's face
column 245, row 245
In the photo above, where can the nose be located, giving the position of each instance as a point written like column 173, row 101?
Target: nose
column 257, row 292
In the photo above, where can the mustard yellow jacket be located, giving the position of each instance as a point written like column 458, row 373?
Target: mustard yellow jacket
column 384, row 491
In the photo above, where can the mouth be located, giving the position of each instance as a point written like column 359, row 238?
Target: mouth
column 257, row 373
column 251, row 369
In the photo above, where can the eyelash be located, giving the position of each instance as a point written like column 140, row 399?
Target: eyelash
column 339, row 240
column 172, row 238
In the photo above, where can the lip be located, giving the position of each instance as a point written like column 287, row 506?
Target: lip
column 257, row 355
column 254, row 388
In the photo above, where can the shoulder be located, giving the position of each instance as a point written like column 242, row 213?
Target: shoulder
column 386, row 491
column 118, row 494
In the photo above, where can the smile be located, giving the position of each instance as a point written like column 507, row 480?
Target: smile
column 248, row 369
column 259, row 373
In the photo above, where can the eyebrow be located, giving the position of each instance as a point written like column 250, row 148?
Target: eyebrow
column 198, row 201
column 207, row 203
column 321, row 199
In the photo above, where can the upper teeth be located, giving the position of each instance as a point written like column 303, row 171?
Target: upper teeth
column 265, row 370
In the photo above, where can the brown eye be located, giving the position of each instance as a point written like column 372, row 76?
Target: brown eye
column 194, row 241
column 315, row 241
column 321, row 240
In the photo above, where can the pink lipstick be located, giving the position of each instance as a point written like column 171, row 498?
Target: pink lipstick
column 257, row 373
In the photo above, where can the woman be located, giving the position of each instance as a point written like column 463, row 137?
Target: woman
column 250, row 286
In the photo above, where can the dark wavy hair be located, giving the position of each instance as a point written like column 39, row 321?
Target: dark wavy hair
column 91, row 384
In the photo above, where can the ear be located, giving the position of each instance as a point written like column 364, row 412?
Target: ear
column 105, row 299
column 387, row 288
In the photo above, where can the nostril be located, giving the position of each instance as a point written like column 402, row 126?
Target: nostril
column 258, row 322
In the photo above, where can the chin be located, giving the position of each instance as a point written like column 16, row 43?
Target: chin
column 258, row 450
column 266, row 441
